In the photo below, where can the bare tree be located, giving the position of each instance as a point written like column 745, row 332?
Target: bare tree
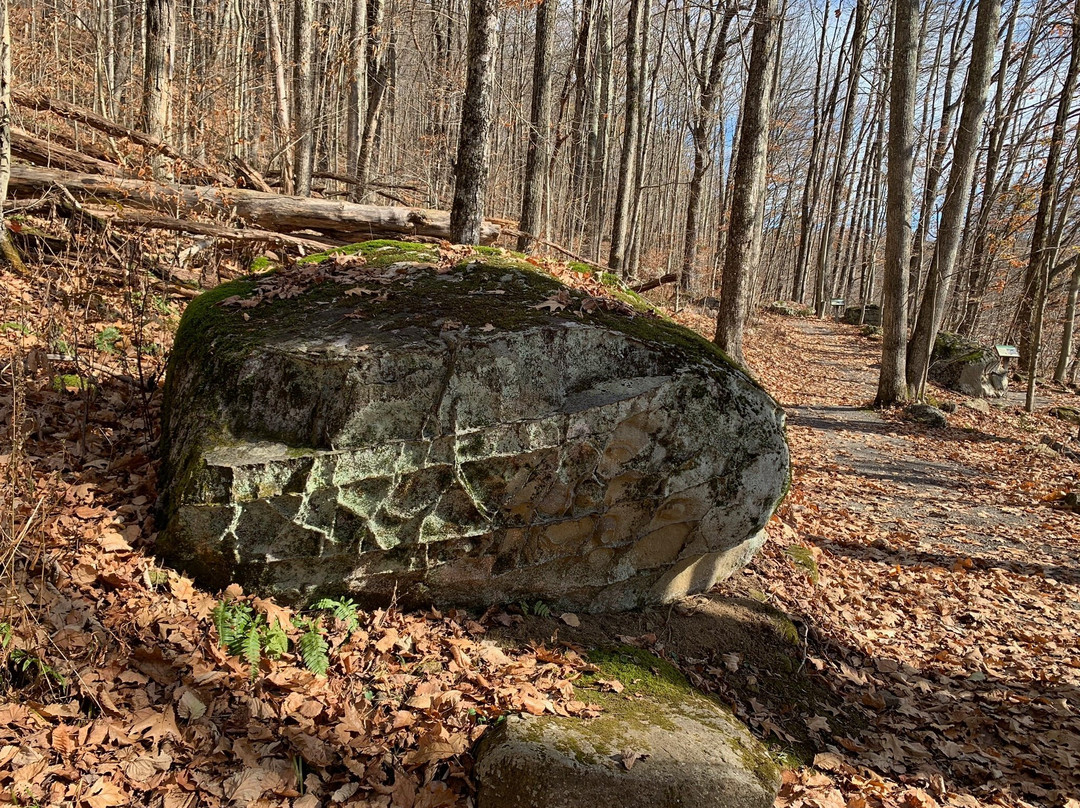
column 538, row 156
column 953, row 214
column 304, row 93
column 474, row 141
column 709, row 79
column 748, row 199
column 1037, row 277
column 158, row 73
column 636, row 25
column 7, row 249
column 858, row 44
column 892, row 387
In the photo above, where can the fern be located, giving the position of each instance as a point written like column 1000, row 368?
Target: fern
column 313, row 648
column 276, row 642
column 346, row 611
column 249, row 636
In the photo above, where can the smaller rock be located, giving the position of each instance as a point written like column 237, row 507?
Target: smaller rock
column 854, row 315
column 925, row 414
column 964, row 365
column 658, row 744
column 786, row 308
column 1070, row 415
column 978, row 404
column 947, row 407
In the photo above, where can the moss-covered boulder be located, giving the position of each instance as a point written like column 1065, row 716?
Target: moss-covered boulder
column 961, row 364
column 381, row 424
column 657, row 744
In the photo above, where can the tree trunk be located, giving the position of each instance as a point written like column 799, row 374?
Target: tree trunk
column 474, row 140
column 158, row 74
column 700, row 134
column 7, row 249
column 892, row 387
column 748, row 200
column 281, row 94
column 636, row 22
column 304, row 94
column 1070, row 326
column 847, row 119
column 1036, row 276
column 357, row 101
column 947, row 244
column 538, row 157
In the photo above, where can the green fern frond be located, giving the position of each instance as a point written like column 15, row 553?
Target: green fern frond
column 275, row 641
column 347, row 611
column 314, row 651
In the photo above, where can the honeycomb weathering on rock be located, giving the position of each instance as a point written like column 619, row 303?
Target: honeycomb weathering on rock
column 595, row 461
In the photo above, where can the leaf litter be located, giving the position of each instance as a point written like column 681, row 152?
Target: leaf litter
column 960, row 658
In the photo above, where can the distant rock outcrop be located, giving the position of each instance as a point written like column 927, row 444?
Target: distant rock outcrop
column 386, row 426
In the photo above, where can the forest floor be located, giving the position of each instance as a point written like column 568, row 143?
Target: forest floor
column 931, row 576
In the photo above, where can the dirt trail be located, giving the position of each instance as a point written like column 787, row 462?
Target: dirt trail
column 948, row 498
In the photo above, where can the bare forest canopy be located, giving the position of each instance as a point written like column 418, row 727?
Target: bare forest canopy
column 634, row 109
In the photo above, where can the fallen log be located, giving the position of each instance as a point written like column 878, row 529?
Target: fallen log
column 341, row 221
column 48, row 154
column 40, row 101
column 142, row 219
column 671, row 277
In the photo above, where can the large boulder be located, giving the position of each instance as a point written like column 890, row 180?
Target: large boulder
column 384, row 426
column 657, row 744
column 961, row 364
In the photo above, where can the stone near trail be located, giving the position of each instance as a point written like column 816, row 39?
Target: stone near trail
column 926, row 414
column 960, row 364
column 381, row 426
column 854, row 315
column 658, row 744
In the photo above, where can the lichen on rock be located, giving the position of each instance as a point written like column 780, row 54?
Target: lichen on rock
column 449, row 434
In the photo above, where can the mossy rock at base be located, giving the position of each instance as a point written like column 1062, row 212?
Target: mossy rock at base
column 381, row 426
column 657, row 743
column 963, row 365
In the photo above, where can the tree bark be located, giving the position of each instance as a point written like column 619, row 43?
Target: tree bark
column 357, row 101
column 158, row 74
column 748, row 199
column 892, row 388
column 474, row 141
column 304, row 94
column 7, row 249
column 538, row 156
column 957, row 191
column 281, row 94
column 624, row 192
